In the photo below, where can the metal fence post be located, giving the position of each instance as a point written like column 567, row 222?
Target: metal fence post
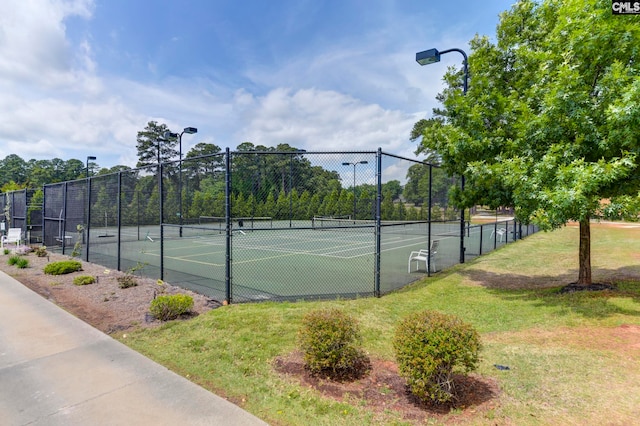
column 88, row 224
column 119, row 219
column 462, row 225
column 63, row 237
column 429, row 220
column 161, row 198
column 44, row 210
column 227, row 201
column 376, row 290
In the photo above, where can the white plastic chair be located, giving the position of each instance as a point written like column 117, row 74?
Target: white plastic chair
column 424, row 255
column 14, row 235
column 499, row 232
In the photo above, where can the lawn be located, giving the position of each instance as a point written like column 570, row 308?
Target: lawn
column 573, row 358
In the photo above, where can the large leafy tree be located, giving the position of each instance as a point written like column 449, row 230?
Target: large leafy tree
column 13, row 168
column 551, row 121
column 152, row 144
column 35, row 173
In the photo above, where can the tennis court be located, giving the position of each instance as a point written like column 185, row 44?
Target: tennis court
column 272, row 261
column 272, row 225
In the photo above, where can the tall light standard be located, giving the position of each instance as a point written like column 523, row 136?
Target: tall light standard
column 354, row 184
column 432, row 56
column 190, row 131
column 89, row 158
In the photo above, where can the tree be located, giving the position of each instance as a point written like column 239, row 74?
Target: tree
column 416, row 190
column 40, row 173
column 150, row 140
column 420, row 130
column 412, row 192
column 74, row 169
column 114, row 169
column 550, row 122
column 13, row 168
column 392, row 189
column 205, row 165
column 11, row 186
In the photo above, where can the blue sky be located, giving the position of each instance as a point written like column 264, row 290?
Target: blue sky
column 82, row 77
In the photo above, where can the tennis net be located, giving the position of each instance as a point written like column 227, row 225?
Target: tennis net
column 220, row 222
column 401, row 227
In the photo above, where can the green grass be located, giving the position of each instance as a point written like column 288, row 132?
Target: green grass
column 567, row 362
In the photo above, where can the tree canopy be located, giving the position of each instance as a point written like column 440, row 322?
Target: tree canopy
column 152, row 145
column 550, row 121
column 16, row 173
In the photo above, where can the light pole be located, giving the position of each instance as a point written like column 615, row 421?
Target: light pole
column 432, row 56
column 190, row 131
column 354, row 184
column 89, row 158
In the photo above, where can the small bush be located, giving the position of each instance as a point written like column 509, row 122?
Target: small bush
column 328, row 339
column 6, row 251
column 13, row 260
column 22, row 263
column 40, row 251
column 168, row 307
column 62, row 267
column 127, row 281
column 84, row 280
column 430, row 347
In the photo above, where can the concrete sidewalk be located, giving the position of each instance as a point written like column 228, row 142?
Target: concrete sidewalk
column 57, row 370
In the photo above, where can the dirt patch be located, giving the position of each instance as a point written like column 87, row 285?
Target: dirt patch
column 103, row 304
column 382, row 389
column 574, row 287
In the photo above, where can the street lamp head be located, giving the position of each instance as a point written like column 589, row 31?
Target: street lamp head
column 190, row 130
column 364, row 162
column 169, row 135
column 346, row 164
column 427, row 57
column 90, row 158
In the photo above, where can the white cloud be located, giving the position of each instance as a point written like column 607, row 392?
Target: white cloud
column 56, row 102
column 323, row 120
column 33, row 44
column 38, row 149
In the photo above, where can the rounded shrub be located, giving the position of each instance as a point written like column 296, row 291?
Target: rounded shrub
column 62, row 267
column 127, row 281
column 168, row 307
column 84, row 279
column 22, row 263
column 13, row 260
column 329, row 341
column 430, row 347
column 40, row 251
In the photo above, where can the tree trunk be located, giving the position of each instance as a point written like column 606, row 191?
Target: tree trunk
column 584, row 274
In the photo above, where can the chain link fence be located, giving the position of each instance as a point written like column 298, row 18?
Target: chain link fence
column 23, row 209
column 270, row 225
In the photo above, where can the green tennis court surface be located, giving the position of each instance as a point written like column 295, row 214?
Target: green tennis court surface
column 273, row 262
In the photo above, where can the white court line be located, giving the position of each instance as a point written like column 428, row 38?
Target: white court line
column 332, row 254
column 355, row 246
column 287, row 252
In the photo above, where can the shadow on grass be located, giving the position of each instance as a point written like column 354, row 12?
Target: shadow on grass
column 546, row 290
